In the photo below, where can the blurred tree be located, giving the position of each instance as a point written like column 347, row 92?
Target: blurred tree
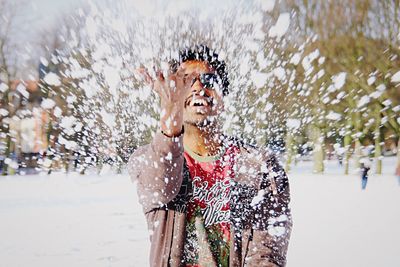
column 9, row 64
column 353, row 96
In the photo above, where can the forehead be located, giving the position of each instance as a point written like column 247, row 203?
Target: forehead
column 196, row 66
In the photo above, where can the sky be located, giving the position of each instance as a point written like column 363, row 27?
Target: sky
column 48, row 10
column 36, row 17
column 33, row 18
column 43, row 13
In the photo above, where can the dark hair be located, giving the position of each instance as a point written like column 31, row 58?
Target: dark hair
column 203, row 53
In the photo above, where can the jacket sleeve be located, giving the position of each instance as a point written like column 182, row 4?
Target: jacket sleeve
column 157, row 169
column 272, row 221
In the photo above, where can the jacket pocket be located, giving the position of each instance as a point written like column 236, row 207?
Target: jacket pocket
column 259, row 253
column 246, row 235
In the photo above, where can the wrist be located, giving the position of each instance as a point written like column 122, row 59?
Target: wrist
column 172, row 133
column 171, row 121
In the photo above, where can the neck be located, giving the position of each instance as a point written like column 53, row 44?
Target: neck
column 202, row 141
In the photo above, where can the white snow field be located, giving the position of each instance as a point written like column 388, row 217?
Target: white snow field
column 74, row 220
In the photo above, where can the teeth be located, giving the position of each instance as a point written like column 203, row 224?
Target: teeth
column 199, row 102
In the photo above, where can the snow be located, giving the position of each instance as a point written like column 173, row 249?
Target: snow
column 307, row 60
column 112, row 78
column 48, row 103
column 57, row 112
column 71, row 220
column 339, row 80
column 280, row 73
column 44, row 61
column 22, row 89
column 52, row 79
column 371, row 80
column 259, row 79
column 91, row 220
column 396, row 77
column 381, row 87
column 293, row 123
column 108, row 118
column 258, row 198
column 3, row 87
column 3, row 112
column 337, row 224
column 363, row 101
column 376, row 94
column 281, row 26
column 10, row 162
column 276, row 230
column 68, row 144
column 295, row 58
column 67, row 122
column 118, row 41
column 333, row 116
column 267, row 5
column 366, row 162
column 387, row 102
column 71, row 99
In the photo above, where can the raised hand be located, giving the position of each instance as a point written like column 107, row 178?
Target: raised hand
column 173, row 90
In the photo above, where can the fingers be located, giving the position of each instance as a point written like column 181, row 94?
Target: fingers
column 173, row 86
column 156, row 83
column 182, row 80
column 144, row 74
column 159, row 75
column 173, row 67
column 161, row 84
column 189, row 80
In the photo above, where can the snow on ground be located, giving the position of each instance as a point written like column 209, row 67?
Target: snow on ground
column 338, row 224
column 73, row 220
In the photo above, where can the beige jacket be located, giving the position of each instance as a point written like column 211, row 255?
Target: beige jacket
column 260, row 217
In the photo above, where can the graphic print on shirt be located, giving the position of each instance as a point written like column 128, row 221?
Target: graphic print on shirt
column 208, row 214
column 215, row 199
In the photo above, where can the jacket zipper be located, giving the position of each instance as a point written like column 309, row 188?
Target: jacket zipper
column 172, row 240
column 250, row 238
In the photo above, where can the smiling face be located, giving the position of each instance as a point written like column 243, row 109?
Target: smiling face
column 202, row 104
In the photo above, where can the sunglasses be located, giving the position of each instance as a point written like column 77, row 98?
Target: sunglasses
column 208, row 80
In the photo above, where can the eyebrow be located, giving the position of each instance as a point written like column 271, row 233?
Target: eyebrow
column 213, row 73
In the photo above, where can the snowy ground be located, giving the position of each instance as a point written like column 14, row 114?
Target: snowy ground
column 73, row 220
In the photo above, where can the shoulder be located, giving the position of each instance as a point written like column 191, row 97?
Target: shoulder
column 136, row 160
column 254, row 163
column 257, row 154
column 138, row 153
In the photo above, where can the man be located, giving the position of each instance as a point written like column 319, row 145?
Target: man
column 209, row 200
column 365, row 166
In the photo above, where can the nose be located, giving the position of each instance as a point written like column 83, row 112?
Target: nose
column 198, row 87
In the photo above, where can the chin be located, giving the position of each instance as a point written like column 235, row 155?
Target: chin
column 196, row 121
column 199, row 120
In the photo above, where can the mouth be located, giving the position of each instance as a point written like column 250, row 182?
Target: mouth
column 198, row 101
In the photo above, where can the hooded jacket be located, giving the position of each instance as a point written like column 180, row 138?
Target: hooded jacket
column 260, row 217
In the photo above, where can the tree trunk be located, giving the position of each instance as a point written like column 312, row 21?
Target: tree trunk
column 289, row 151
column 318, row 151
column 346, row 156
column 6, row 167
column 398, row 153
column 357, row 142
column 377, row 139
column 357, row 153
column 66, row 159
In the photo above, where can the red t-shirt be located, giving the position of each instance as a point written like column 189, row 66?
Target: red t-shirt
column 208, row 215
